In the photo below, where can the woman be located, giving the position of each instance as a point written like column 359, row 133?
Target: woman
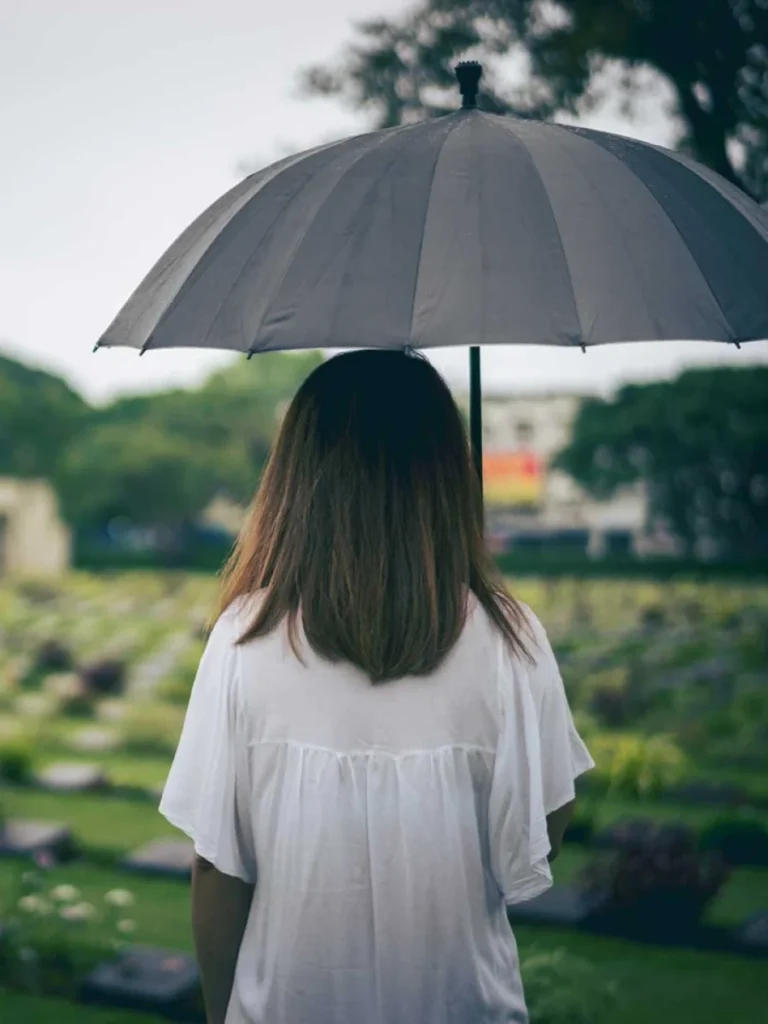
column 378, row 754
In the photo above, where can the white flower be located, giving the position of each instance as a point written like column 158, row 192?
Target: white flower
column 126, row 926
column 33, row 905
column 119, row 898
column 78, row 912
column 65, row 894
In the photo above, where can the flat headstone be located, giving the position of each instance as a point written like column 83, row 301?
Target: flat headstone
column 169, row 857
column 28, row 838
column 94, row 739
column 149, row 980
column 562, row 904
column 73, row 778
column 64, row 685
column 112, row 710
column 754, row 932
column 36, row 705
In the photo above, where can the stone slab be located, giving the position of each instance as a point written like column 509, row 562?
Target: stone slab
column 754, row 932
column 562, row 904
column 146, row 979
column 20, row 838
column 171, row 858
column 93, row 738
column 73, row 778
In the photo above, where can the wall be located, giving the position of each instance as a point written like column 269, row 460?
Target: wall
column 33, row 538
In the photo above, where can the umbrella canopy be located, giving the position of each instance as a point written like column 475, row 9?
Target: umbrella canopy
column 470, row 229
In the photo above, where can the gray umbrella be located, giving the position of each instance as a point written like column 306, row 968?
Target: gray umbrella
column 470, row 229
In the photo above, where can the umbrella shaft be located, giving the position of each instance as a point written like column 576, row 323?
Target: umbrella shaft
column 476, row 411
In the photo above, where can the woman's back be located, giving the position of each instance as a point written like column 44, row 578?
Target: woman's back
column 385, row 827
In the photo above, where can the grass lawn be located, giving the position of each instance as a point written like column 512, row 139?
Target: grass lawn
column 118, row 824
column 121, row 769
column 161, row 908
column 665, row 986
column 16, row 1009
column 97, row 821
column 655, row 986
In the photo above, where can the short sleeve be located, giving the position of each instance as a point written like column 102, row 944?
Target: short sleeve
column 518, row 837
column 207, row 794
column 538, row 756
column 564, row 756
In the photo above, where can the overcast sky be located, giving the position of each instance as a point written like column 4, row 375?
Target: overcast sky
column 121, row 120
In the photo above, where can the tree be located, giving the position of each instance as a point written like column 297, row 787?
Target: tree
column 39, row 415
column 232, row 416
column 713, row 54
column 158, row 460
column 699, row 443
column 139, row 474
column 155, row 459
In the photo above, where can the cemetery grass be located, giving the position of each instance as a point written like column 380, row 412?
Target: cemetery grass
column 696, row 625
column 19, row 1009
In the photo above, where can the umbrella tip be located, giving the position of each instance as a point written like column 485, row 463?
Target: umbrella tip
column 469, row 72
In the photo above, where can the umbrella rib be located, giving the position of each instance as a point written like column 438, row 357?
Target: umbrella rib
column 327, row 197
column 424, row 225
column 576, row 130
column 284, row 164
column 509, row 128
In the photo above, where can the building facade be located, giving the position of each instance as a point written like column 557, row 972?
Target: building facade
column 528, row 502
column 34, row 541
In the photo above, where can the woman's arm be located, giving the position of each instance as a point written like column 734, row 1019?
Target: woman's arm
column 220, row 907
column 557, row 822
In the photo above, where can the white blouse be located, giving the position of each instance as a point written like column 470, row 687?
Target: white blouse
column 385, row 827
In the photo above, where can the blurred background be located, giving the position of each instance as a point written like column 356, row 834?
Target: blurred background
column 626, row 489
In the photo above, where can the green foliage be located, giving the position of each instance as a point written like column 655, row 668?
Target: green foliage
column 402, row 69
column 16, row 760
column 699, row 443
column 152, row 728
column 636, row 766
column 151, row 460
column 742, row 841
column 39, row 415
column 657, row 877
column 54, row 936
column 562, row 988
column 139, row 474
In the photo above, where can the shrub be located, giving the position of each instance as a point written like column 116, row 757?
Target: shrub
column 657, row 879
column 53, row 656
column 742, row 842
column 610, row 697
column 581, row 829
column 636, row 766
column 564, row 989
column 37, row 591
column 104, row 678
column 15, row 760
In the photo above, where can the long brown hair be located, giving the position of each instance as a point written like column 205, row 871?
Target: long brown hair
column 368, row 522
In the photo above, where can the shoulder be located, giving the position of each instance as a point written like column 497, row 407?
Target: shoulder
column 531, row 631
column 234, row 620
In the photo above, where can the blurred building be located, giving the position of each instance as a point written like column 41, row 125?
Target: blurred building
column 225, row 515
column 529, row 503
column 34, row 541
